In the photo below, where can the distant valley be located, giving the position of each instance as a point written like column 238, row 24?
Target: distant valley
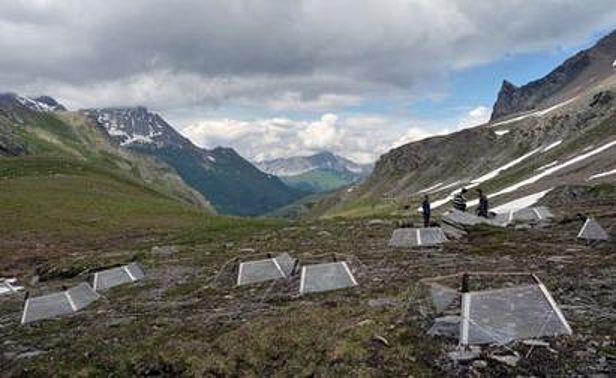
column 322, row 172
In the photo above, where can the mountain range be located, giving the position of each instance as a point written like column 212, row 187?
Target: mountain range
column 66, row 153
column 554, row 130
column 573, row 77
column 560, row 129
column 232, row 184
column 316, row 173
column 224, row 180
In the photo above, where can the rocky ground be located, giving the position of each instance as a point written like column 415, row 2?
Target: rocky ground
column 186, row 318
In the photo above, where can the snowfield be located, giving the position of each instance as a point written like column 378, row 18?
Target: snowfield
column 536, row 114
column 555, row 169
column 548, row 165
column 521, row 203
column 603, row 174
column 552, row 146
column 545, row 171
column 427, row 190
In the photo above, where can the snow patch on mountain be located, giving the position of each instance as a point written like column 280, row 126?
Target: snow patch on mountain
column 536, row 114
column 521, row 203
column 502, row 168
column 602, row 174
column 298, row 165
column 548, row 165
column 554, row 169
column 131, row 126
column 43, row 104
column 552, row 146
column 430, row 189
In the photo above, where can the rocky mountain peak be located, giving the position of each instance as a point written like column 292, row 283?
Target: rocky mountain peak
column 566, row 81
column 50, row 102
column 37, row 104
column 136, row 126
column 324, row 160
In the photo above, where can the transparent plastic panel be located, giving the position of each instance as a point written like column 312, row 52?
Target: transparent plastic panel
column 326, row 277
column 5, row 288
column 447, row 326
column 258, row 271
column 404, row 237
column 111, row 278
column 432, row 236
column 592, row 230
column 525, row 215
column 286, row 263
column 46, row 307
column 442, row 296
column 82, row 295
column 544, row 212
column 503, row 315
column 462, row 218
column 135, row 271
column 503, row 218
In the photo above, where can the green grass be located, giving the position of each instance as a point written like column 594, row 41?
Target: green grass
column 367, row 207
column 64, row 200
column 72, row 138
column 319, row 181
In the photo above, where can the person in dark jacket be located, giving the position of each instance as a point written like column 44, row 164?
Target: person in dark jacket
column 426, row 209
column 482, row 209
column 459, row 201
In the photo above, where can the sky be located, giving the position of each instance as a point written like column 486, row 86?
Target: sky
column 279, row 78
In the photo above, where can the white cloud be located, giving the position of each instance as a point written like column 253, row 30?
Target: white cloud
column 293, row 101
column 414, row 134
column 360, row 138
column 274, row 67
column 317, row 55
column 475, row 117
column 322, row 134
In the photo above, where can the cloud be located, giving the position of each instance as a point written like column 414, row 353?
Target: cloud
column 277, row 78
column 322, row 134
column 362, row 138
column 413, row 134
column 294, row 101
column 357, row 137
column 477, row 116
column 277, row 55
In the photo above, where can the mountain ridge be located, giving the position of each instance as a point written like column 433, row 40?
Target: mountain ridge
column 296, row 165
column 568, row 138
column 59, row 137
column 232, row 184
column 317, row 173
column 587, row 67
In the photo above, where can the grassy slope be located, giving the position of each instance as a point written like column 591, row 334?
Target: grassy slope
column 56, row 196
column 53, row 207
column 318, row 180
column 232, row 184
column 71, row 136
column 366, row 204
column 74, row 192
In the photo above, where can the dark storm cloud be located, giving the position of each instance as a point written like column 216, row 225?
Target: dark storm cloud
column 176, row 53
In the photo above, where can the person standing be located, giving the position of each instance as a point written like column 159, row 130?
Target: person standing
column 459, row 201
column 483, row 208
column 426, row 209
